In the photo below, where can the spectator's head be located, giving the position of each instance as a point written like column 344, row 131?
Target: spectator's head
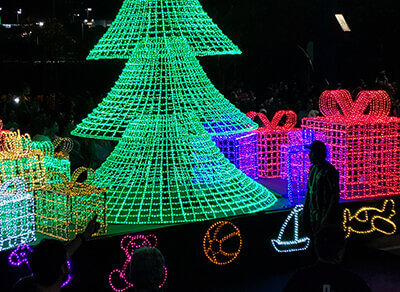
column 330, row 244
column 317, row 152
column 48, row 262
column 146, row 269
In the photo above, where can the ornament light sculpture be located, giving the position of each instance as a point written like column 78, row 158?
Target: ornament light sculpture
column 17, row 221
column 369, row 219
column 138, row 19
column 293, row 243
column 163, row 76
column 117, row 278
column 222, row 243
column 166, row 169
column 363, row 144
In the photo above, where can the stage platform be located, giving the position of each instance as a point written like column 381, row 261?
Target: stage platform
column 188, row 267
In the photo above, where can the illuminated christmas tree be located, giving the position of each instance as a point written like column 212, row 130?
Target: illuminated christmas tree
column 163, row 110
column 163, row 76
column 138, row 19
column 166, row 169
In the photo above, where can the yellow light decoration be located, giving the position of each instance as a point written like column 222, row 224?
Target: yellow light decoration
column 63, row 210
column 222, row 243
column 369, row 219
column 64, row 145
column 19, row 160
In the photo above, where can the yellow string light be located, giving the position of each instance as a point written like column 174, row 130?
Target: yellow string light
column 64, row 145
column 19, row 160
column 369, row 219
column 62, row 210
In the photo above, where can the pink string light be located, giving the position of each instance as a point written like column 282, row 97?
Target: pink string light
column 20, row 256
column 129, row 244
column 270, row 137
column 363, row 140
column 338, row 103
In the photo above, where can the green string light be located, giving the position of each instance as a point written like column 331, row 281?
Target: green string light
column 163, row 76
column 138, row 19
column 51, row 163
column 166, row 169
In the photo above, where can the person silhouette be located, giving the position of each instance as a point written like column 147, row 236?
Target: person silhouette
column 322, row 198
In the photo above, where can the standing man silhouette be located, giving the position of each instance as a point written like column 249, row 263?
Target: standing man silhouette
column 322, row 197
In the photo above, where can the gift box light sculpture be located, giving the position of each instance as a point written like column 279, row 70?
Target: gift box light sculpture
column 19, row 160
column 270, row 139
column 17, row 222
column 292, row 243
column 222, row 243
column 118, row 279
column 137, row 20
column 363, row 145
column 62, row 210
column 297, row 163
column 241, row 150
column 171, row 171
column 369, row 219
column 163, row 75
column 295, row 138
column 54, row 162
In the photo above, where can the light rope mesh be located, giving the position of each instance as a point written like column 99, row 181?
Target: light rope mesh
column 138, row 19
column 166, row 169
column 163, row 76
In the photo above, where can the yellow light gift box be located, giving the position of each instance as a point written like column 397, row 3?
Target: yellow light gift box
column 63, row 210
column 19, row 160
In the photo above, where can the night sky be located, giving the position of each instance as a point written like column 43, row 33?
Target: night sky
column 104, row 8
column 270, row 32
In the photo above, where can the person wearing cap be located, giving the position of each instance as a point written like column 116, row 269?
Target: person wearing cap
column 322, row 197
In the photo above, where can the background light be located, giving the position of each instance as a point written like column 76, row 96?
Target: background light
column 342, row 22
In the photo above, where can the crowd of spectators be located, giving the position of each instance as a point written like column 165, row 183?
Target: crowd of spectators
column 304, row 100
column 47, row 115
column 50, row 115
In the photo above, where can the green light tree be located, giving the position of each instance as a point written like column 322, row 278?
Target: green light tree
column 138, row 19
column 171, row 171
column 163, row 110
column 163, row 75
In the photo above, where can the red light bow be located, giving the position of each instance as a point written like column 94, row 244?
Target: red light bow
column 339, row 103
column 291, row 120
